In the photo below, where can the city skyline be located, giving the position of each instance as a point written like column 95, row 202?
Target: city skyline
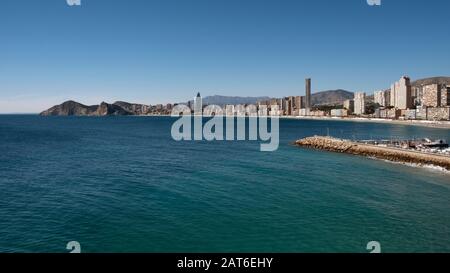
column 166, row 51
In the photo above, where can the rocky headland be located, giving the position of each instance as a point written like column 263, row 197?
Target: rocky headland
column 73, row 108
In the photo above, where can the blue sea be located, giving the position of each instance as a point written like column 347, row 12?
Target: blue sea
column 121, row 184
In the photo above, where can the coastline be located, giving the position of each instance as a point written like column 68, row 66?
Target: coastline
column 423, row 123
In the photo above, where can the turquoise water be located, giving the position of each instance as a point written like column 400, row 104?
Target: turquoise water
column 121, row 184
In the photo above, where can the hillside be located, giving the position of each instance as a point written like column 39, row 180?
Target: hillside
column 331, row 97
column 432, row 80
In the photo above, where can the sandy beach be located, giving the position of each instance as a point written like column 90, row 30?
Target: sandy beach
column 425, row 123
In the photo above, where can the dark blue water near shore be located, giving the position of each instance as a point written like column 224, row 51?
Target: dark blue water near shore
column 121, row 184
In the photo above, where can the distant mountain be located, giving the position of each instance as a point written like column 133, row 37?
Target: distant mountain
column 224, row 100
column 433, row 80
column 331, row 97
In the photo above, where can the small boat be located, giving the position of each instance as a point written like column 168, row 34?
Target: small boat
column 436, row 144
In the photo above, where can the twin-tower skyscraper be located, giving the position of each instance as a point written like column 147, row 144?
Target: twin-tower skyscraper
column 308, row 93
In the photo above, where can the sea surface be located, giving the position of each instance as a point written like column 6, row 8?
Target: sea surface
column 121, row 184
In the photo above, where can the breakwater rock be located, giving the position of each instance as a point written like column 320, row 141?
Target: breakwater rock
column 380, row 152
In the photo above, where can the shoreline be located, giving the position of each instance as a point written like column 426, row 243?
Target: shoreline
column 423, row 123
column 394, row 155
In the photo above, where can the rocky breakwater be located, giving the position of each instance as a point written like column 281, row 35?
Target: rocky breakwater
column 380, row 152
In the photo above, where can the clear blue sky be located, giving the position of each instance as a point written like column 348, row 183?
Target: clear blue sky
column 165, row 51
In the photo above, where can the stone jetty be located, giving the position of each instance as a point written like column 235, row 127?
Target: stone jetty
column 380, row 152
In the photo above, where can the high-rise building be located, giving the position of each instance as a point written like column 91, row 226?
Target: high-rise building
column 382, row 98
column 285, row 105
column 360, row 103
column 281, row 105
column 445, row 95
column 299, row 102
column 435, row 95
column 401, row 97
column 308, row 93
column 404, row 98
column 431, row 96
column 349, row 105
column 393, row 95
column 290, row 108
column 417, row 95
column 198, row 105
column 288, row 105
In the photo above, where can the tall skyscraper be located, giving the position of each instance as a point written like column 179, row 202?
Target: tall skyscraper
column 404, row 98
column 291, row 104
column 308, row 93
column 401, row 95
column 198, row 105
